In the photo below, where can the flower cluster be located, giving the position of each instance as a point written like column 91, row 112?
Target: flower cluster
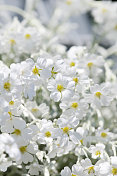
column 105, row 14
column 57, row 106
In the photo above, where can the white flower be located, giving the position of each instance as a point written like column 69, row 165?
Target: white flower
column 60, row 147
column 9, row 85
column 59, row 88
column 105, row 16
column 4, row 69
column 66, row 172
column 89, row 168
column 4, row 163
column 17, row 128
column 76, row 52
column 34, row 169
column 77, row 169
column 104, row 168
column 108, row 168
column 83, row 136
column 100, row 96
column 114, row 161
column 27, row 151
column 97, row 151
column 81, row 82
column 74, row 107
column 67, row 126
column 91, row 64
column 40, row 69
column 21, row 70
column 103, row 135
column 30, row 40
column 39, row 111
column 29, row 89
column 103, row 13
column 9, row 146
column 47, row 132
column 75, row 7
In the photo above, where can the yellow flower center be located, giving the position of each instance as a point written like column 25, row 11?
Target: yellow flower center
column 66, row 129
column 35, row 71
column 74, row 105
column 97, row 153
column 23, row 149
column 7, row 86
column 98, row 94
column 72, row 64
column 17, row 132
column 48, row 134
column 115, row 27
column 27, row 36
column 91, row 170
column 11, row 103
column 60, row 87
column 12, row 41
column 81, row 141
column 104, row 10
column 34, row 109
column 68, row 2
column 114, row 171
column 75, row 80
column 10, row 113
column 103, row 134
column 74, row 175
column 89, row 65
